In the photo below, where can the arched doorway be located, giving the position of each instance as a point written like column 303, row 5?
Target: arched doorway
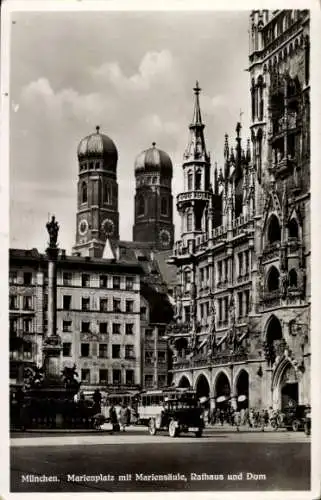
column 222, row 390
column 184, row 382
column 242, row 390
column 289, row 387
column 202, row 388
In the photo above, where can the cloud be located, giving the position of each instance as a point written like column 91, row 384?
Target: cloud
column 152, row 66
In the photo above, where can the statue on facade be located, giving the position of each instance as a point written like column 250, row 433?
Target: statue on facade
column 284, row 284
column 53, row 229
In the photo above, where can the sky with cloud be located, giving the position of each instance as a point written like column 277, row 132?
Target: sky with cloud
column 133, row 74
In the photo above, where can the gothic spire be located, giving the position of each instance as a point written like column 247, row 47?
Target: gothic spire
column 197, row 118
column 196, row 149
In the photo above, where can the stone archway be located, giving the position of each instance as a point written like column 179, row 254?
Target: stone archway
column 202, row 386
column 184, row 382
column 242, row 390
column 222, row 389
column 285, row 385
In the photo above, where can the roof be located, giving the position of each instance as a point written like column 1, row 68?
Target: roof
column 167, row 271
column 97, row 145
column 153, row 159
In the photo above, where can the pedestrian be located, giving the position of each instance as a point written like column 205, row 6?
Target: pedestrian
column 123, row 417
column 237, row 420
column 97, row 401
column 113, row 419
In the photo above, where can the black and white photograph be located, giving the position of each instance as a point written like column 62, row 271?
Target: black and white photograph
column 159, row 270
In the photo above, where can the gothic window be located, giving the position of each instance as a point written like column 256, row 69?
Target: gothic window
column 198, row 180
column 84, row 195
column 293, row 278
column 190, row 181
column 141, row 205
column 273, row 279
column 107, row 194
column 259, row 153
column 253, row 99
column 189, row 222
column 293, row 229
column 274, row 230
column 260, row 98
column 164, row 206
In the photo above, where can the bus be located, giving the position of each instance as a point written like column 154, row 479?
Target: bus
column 151, row 402
column 118, row 399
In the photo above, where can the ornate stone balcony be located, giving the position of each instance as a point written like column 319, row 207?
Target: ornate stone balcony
column 271, row 251
column 193, row 195
column 271, row 299
column 223, row 359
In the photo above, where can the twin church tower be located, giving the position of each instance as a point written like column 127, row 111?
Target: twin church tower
column 97, row 206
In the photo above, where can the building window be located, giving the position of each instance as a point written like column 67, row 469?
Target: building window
column 27, row 278
column 240, row 308
column 116, row 377
column 141, row 205
column 190, row 181
column 226, row 309
column 103, row 328
column 13, row 277
column 129, row 351
column 129, row 329
column 84, row 196
column 27, row 325
column 103, row 376
column 27, row 303
column 85, row 304
column 84, row 350
column 13, row 302
column 149, row 358
column 293, row 278
column 116, row 305
column 103, row 281
column 187, row 312
column 85, row 327
column 116, row 351
column 107, row 196
column 66, row 326
column 13, row 326
column 149, row 380
column 129, row 306
column 198, row 180
column 116, row 282
column 162, row 357
column 273, row 280
column 103, row 351
column 85, row 375
column 247, row 302
column 164, row 206
column 162, row 381
column 85, row 280
column 130, row 379
column 293, row 229
column 148, row 333
column 143, row 313
column 67, row 279
column 103, row 305
column 116, row 328
column 189, row 222
column 240, row 256
column 66, row 349
column 129, row 283
column 274, row 230
column 66, row 302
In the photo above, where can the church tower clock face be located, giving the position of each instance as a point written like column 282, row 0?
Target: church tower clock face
column 83, row 227
column 165, row 238
column 107, row 227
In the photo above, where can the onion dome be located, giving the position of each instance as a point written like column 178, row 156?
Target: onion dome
column 153, row 160
column 98, row 146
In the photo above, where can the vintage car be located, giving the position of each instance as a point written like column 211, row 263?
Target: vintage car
column 294, row 417
column 181, row 412
column 307, row 421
